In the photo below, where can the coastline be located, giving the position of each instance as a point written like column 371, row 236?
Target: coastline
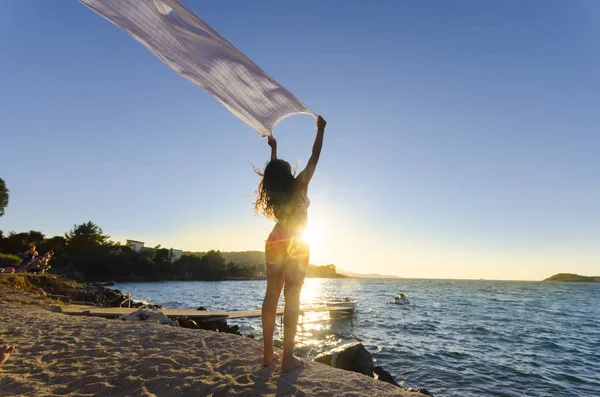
column 59, row 354
column 148, row 280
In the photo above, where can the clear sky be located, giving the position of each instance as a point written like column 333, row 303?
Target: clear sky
column 463, row 137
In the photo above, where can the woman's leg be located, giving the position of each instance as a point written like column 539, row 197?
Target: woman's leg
column 295, row 273
column 275, row 282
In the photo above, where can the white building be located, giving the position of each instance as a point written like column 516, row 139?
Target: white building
column 175, row 255
column 135, row 245
column 138, row 246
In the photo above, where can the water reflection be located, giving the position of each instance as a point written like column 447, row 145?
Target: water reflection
column 319, row 331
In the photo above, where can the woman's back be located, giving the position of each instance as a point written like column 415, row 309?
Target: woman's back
column 294, row 213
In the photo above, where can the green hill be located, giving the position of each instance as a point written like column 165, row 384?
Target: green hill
column 327, row 271
column 245, row 257
column 573, row 278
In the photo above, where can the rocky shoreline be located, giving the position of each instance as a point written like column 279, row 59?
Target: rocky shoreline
column 55, row 290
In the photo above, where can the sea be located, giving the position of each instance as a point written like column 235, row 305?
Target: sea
column 455, row 338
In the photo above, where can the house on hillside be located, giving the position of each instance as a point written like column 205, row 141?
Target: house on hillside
column 138, row 246
column 175, row 255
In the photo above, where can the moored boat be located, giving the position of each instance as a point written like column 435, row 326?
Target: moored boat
column 352, row 304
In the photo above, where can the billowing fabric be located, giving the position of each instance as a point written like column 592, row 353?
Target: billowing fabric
column 195, row 51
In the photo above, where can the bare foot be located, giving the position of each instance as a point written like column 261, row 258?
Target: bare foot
column 269, row 360
column 5, row 353
column 292, row 364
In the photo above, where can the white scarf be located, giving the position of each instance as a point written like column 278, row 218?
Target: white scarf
column 195, row 51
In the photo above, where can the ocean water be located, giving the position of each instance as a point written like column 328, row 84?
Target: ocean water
column 455, row 338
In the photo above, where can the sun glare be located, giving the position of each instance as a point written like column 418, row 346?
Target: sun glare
column 313, row 236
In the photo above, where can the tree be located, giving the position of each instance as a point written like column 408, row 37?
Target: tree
column 35, row 237
column 85, row 236
column 214, row 265
column 57, row 244
column 162, row 256
column 3, row 196
column 16, row 243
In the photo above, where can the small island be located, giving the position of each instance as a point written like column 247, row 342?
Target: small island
column 572, row 278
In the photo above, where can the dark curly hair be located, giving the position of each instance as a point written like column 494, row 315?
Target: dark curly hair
column 276, row 189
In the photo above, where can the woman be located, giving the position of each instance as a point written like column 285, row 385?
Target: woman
column 39, row 264
column 29, row 254
column 283, row 197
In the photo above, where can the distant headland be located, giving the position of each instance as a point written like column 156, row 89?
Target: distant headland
column 361, row 275
column 573, row 278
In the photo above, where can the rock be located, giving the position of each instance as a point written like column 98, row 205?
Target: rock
column 421, row 390
column 103, row 284
column 142, row 305
column 222, row 326
column 354, row 357
column 202, row 308
column 186, row 322
column 384, row 376
column 217, row 324
column 148, row 316
column 351, row 357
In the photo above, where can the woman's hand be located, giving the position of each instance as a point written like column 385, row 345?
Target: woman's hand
column 321, row 123
column 273, row 143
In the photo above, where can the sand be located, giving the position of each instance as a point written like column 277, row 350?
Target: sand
column 60, row 355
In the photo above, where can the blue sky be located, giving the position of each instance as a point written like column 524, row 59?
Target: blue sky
column 462, row 139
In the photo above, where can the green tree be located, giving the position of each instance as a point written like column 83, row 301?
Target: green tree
column 16, row 243
column 234, row 270
column 162, row 255
column 34, row 237
column 3, row 196
column 85, row 236
column 57, row 244
column 186, row 266
column 214, row 267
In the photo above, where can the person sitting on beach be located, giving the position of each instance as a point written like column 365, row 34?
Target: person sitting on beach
column 29, row 254
column 39, row 264
column 283, row 198
column 5, row 353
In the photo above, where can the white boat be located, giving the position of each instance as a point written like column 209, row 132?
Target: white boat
column 353, row 304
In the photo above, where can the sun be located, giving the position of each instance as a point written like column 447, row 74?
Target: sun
column 313, row 236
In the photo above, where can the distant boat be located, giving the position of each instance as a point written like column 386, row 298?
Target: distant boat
column 353, row 304
column 400, row 300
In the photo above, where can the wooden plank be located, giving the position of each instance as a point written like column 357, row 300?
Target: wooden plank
column 257, row 313
column 118, row 311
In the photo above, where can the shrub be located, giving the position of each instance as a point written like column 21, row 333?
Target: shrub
column 7, row 260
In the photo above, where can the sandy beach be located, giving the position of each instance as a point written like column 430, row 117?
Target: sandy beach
column 60, row 355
